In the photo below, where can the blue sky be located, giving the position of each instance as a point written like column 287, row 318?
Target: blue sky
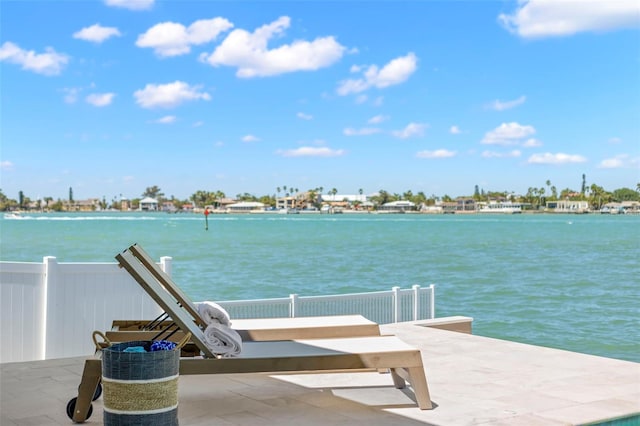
column 111, row 97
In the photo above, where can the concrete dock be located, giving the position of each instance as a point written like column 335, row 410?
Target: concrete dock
column 473, row 380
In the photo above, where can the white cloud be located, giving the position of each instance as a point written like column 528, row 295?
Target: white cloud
column 412, row 129
column 499, row 105
column 198, row 124
column 303, row 116
column 96, row 33
column 360, row 99
column 455, row 130
column 131, row 4
column 360, row 132
column 492, row 154
column 173, row 39
column 438, row 153
column 559, row 158
column 378, row 101
column 250, row 138
column 48, row 63
column 395, row 72
column 531, row 143
column 615, row 140
column 6, row 165
column 250, row 54
column 168, row 95
column 378, row 119
column 100, row 99
column 310, row 151
column 545, row 18
column 622, row 161
column 167, row 119
column 508, row 134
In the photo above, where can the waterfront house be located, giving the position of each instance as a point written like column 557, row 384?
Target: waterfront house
column 89, row 205
column 148, row 204
column 631, row 207
column 286, row 203
column 435, row 209
column 188, row 208
column 465, row 205
column 125, row 204
column 568, row 206
column 168, row 207
column 398, row 206
column 449, row 207
column 246, row 207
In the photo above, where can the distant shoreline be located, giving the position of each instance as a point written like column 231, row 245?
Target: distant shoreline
column 16, row 214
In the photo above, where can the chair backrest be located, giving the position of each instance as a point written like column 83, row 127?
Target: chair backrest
column 166, row 281
column 167, row 301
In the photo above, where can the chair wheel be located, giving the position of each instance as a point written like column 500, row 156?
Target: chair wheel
column 98, row 392
column 71, row 408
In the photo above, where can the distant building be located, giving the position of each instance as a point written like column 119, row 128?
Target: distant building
column 289, row 202
column 398, row 206
column 245, row 207
column 169, row 207
column 449, row 207
column 125, row 204
column 465, row 205
column 148, row 204
column 351, row 198
column 568, row 206
column 90, row 205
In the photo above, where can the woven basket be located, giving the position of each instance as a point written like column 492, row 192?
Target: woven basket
column 140, row 388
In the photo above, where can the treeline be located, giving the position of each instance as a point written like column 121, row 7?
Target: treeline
column 594, row 194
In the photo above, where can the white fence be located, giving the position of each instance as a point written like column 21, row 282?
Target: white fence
column 50, row 309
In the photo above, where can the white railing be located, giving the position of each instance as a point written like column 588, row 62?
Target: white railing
column 383, row 307
column 50, row 309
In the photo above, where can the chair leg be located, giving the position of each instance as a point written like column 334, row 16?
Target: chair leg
column 418, row 382
column 398, row 380
column 90, row 379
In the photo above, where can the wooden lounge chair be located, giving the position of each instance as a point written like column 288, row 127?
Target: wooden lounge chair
column 341, row 354
column 249, row 329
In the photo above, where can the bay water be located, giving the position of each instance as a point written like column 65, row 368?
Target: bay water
column 564, row 281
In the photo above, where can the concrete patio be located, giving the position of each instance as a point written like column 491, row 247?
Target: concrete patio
column 473, row 380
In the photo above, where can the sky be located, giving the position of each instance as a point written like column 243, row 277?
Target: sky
column 111, row 97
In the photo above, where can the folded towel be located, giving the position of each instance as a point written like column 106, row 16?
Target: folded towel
column 222, row 340
column 211, row 313
column 135, row 349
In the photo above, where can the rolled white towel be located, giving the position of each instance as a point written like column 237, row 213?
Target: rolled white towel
column 222, row 340
column 212, row 313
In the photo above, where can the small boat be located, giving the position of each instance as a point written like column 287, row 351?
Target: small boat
column 13, row 215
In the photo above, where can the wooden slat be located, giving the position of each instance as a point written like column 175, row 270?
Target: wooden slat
column 164, row 299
